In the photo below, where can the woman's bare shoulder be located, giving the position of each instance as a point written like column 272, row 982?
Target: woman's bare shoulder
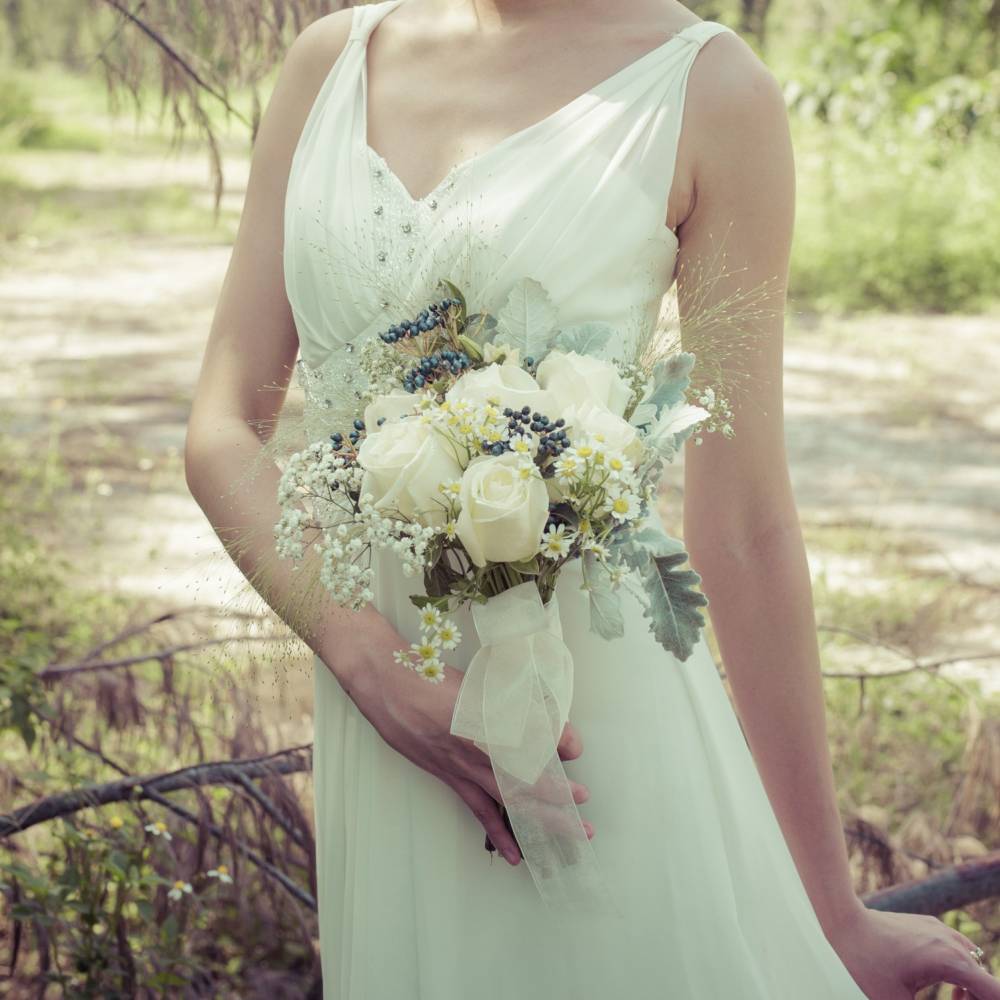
column 730, row 86
column 734, row 116
column 311, row 55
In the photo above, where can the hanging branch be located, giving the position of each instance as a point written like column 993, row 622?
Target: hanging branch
column 177, row 58
column 202, row 50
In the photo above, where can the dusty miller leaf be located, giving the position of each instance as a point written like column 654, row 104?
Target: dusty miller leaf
column 672, row 602
column 587, row 338
column 527, row 319
column 670, row 379
column 605, row 605
column 676, row 424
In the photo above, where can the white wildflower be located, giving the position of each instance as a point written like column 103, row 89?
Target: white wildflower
column 180, row 887
column 556, row 541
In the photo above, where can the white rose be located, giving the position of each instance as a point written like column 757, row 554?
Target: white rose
column 592, row 420
column 405, row 464
column 575, row 378
column 503, row 510
column 391, row 406
column 509, row 383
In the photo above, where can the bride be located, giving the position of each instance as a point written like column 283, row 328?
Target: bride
column 559, row 123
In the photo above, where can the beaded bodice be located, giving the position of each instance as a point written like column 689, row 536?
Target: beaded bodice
column 576, row 201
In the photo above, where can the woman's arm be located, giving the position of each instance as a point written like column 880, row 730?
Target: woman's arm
column 244, row 378
column 742, row 531
column 247, row 366
column 740, row 523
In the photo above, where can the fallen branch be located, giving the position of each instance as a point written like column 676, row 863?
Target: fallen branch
column 252, row 856
column 915, row 664
column 174, row 614
column 135, row 788
column 84, row 667
column 948, row 889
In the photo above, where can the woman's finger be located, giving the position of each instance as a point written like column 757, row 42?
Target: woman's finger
column 557, row 818
column 570, row 745
column 979, row 984
column 487, row 811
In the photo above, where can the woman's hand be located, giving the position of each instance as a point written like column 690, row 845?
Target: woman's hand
column 413, row 715
column 893, row 955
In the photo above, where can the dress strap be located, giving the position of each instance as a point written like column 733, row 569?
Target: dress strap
column 364, row 17
column 662, row 113
column 702, row 31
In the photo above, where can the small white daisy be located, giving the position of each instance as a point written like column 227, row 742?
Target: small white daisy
column 430, row 617
column 432, row 670
column 180, row 887
column 448, row 634
column 600, row 550
column 221, row 873
column 427, row 651
column 556, row 542
column 567, row 469
column 158, row 829
column 624, row 506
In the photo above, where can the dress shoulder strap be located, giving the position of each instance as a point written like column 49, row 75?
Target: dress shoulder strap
column 659, row 110
column 364, row 17
column 704, row 30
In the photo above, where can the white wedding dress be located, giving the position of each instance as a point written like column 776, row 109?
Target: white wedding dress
column 412, row 906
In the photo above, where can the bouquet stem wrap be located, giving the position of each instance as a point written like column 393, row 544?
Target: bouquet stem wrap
column 514, row 702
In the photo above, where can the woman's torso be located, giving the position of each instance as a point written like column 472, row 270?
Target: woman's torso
column 576, row 201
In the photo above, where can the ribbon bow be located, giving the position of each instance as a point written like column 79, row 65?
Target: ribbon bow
column 513, row 702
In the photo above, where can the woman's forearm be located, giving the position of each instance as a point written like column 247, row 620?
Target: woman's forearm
column 761, row 607
column 244, row 520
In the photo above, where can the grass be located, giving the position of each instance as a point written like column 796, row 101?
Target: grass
column 71, row 170
column 895, row 222
column 66, row 211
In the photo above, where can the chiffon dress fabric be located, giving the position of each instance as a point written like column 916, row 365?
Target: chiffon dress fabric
column 411, row 905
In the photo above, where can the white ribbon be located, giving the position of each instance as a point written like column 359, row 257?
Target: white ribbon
column 513, row 703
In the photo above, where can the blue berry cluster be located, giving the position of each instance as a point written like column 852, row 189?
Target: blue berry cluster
column 552, row 436
column 354, row 436
column 436, row 314
column 432, row 366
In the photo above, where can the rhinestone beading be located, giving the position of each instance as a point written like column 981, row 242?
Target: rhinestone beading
column 397, row 229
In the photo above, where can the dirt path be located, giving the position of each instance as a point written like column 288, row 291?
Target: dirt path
column 893, row 428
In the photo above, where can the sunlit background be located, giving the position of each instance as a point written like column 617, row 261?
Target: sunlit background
column 128, row 644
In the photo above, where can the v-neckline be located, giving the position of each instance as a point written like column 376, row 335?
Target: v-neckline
column 466, row 163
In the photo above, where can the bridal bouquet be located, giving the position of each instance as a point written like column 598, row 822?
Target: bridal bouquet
column 487, row 452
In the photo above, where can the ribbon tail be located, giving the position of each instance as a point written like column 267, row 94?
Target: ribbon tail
column 514, row 702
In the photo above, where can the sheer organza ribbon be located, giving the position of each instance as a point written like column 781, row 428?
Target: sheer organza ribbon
column 513, row 703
